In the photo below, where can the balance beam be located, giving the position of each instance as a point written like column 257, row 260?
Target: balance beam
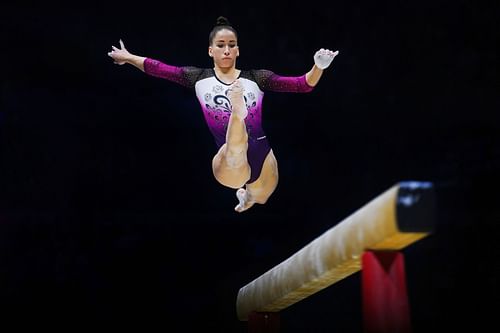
column 400, row 216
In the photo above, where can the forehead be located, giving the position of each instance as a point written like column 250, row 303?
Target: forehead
column 224, row 35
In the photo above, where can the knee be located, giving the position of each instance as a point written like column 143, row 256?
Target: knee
column 234, row 179
column 231, row 183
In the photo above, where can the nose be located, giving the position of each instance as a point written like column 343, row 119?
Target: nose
column 227, row 51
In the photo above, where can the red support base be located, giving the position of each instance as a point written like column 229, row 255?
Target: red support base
column 263, row 322
column 385, row 300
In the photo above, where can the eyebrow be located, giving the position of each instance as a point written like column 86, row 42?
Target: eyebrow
column 222, row 41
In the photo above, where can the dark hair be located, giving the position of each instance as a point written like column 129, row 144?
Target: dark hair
column 221, row 23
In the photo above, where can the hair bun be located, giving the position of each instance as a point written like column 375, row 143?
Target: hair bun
column 221, row 20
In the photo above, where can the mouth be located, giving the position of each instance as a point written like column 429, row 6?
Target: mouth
column 226, row 58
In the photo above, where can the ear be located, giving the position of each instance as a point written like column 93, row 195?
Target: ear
column 238, row 52
column 210, row 51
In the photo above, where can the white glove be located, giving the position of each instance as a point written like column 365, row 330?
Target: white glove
column 324, row 57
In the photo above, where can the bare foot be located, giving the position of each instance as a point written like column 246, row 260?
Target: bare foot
column 235, row 95
column 245, row 201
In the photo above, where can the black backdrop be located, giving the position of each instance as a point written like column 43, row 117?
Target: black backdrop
column 109, row 212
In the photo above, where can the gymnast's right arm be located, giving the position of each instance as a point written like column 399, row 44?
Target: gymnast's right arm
column 181, row 75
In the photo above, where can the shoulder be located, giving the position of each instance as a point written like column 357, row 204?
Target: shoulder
column 194, row 74
column 196, row 71
column 260, row 76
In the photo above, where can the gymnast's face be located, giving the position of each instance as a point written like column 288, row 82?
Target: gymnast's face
column 224, row 49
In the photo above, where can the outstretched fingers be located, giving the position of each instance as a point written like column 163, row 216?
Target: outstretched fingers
column 118, row 53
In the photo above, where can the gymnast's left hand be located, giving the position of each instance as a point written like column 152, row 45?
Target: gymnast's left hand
column 324, row 57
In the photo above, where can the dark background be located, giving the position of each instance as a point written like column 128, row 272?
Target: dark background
column 109, row 212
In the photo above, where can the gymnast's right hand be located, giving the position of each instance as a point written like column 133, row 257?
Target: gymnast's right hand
column 119, row 55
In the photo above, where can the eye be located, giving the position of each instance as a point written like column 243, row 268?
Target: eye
column 220, row 46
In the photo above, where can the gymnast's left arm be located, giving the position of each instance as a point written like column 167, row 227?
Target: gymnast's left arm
column 268, row 80
column 322, row 59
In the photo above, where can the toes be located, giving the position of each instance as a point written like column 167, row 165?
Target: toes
column 240, row 207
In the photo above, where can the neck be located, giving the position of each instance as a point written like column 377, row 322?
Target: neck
column 227, row 75
column 225, row 71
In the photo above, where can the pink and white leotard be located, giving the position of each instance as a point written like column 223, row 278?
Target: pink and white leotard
column 212, row 96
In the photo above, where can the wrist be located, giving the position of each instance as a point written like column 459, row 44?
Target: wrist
column 130, row 59
column 318, row 68
column 135, row 60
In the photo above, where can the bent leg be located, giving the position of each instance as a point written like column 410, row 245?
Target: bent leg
column 260, row 190
column 230, row 165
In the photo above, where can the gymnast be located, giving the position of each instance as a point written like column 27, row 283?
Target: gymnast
column 231, row 101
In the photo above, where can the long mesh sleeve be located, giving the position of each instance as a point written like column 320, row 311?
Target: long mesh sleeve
column 185, row 76
column 268, row 80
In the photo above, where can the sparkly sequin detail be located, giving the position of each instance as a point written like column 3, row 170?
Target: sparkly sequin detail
column 268, row 80
column 185, row 76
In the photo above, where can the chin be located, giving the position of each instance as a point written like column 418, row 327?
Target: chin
column 227, row 63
